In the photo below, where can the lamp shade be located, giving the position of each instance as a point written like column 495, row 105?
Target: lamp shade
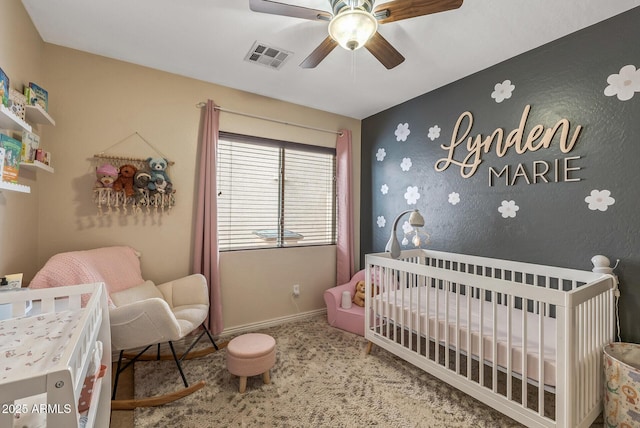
column 352, row 28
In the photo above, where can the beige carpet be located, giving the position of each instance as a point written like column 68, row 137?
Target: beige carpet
column 322, row 378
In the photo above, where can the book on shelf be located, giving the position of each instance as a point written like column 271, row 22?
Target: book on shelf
column 37, row 95
column 1, row 162
column 4, row 88
column 30, row 143
column 17, row 102
column 12, row 154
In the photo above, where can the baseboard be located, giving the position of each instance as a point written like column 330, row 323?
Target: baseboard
column 245, row 328
column 234, row 331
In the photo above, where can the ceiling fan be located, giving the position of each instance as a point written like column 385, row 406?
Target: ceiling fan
column 354, row 24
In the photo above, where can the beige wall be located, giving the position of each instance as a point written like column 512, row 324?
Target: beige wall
column 21, row 59
column 98, row 102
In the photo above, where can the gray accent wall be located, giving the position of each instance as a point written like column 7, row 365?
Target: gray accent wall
column 563, row 217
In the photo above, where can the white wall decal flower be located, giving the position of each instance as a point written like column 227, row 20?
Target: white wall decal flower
column 508, row 209
column 384, row 189
column 406, row 164
column 381, row 154
column 402, row 132
column 502, row 91
column 412, row 195
column 381, row 221
column 599, row 200
column 624, row 84
column 434, row 132
column 454, row 198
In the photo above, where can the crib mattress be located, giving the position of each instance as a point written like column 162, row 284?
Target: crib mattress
column 408, row 307
column 34, row 344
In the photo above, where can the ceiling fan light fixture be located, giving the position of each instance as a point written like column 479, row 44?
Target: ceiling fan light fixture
column 352, row 28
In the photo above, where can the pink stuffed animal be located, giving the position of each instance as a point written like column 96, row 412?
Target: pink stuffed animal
column 107, row 175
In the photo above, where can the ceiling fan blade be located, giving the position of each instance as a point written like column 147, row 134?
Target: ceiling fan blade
column 319, row 53
column 276, row 8
column 383, row 51
column 404, row 9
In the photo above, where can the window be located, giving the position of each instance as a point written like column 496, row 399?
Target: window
column 274, row 194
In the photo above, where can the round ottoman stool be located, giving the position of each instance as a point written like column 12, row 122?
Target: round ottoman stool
column 251, row 354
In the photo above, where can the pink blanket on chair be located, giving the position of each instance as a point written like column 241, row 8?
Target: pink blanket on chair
column 117, row 267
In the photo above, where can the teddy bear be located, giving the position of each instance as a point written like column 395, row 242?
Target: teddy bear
column 358, row 297
column 125, row 180
column 160, row 181
column 106, row 175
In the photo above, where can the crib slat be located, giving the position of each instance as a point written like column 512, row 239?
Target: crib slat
column 458, row 329
column 428, row 331
column 510, row 302
column 589, row 357
column 437, row 324
column 525, row 372
column 469, row 290
column 481, row 357
column 400, row 330
column 494, row 342
column 445, row 286
column 541, row 356
column 581, row 348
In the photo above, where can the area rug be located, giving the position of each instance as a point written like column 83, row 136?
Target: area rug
column 322, row 378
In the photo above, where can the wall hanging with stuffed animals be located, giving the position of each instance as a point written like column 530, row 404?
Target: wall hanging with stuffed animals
column 132, row 185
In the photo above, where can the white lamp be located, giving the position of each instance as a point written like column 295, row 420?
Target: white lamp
column 352, row 28
column 416, row 221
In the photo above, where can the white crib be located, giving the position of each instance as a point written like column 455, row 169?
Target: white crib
column 446, row 313
column 53, row 343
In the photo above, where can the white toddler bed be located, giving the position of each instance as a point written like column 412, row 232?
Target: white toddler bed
column 51, row 346
column 505, row 314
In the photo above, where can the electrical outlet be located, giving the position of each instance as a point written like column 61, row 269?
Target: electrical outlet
column 296, row 290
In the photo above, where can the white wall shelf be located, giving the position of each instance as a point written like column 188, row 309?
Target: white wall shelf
column 14, row 187
column 36, row 165
column 36, row 114
column 8, row 120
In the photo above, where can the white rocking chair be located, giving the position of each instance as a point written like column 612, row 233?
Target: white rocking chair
column 141, row 313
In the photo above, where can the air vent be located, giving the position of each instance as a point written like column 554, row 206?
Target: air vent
column 267, row 56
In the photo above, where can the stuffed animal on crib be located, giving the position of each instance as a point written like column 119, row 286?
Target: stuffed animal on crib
column 159, row 178
column 125, row 180
column 106, row 175
column 358, row 297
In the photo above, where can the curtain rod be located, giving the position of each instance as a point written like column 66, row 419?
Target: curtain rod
column 202, row 104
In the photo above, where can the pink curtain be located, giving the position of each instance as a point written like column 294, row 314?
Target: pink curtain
column 206, row 258
column 345, row 254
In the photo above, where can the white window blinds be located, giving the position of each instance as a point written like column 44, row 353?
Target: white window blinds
column 274, row 193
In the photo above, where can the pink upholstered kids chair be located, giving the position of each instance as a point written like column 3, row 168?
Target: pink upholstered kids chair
column 351, row 319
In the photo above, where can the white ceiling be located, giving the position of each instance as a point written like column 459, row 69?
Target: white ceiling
column 208, row 40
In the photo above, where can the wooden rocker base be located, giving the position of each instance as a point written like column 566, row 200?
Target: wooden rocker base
column 158, row 400
column 193, row 354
